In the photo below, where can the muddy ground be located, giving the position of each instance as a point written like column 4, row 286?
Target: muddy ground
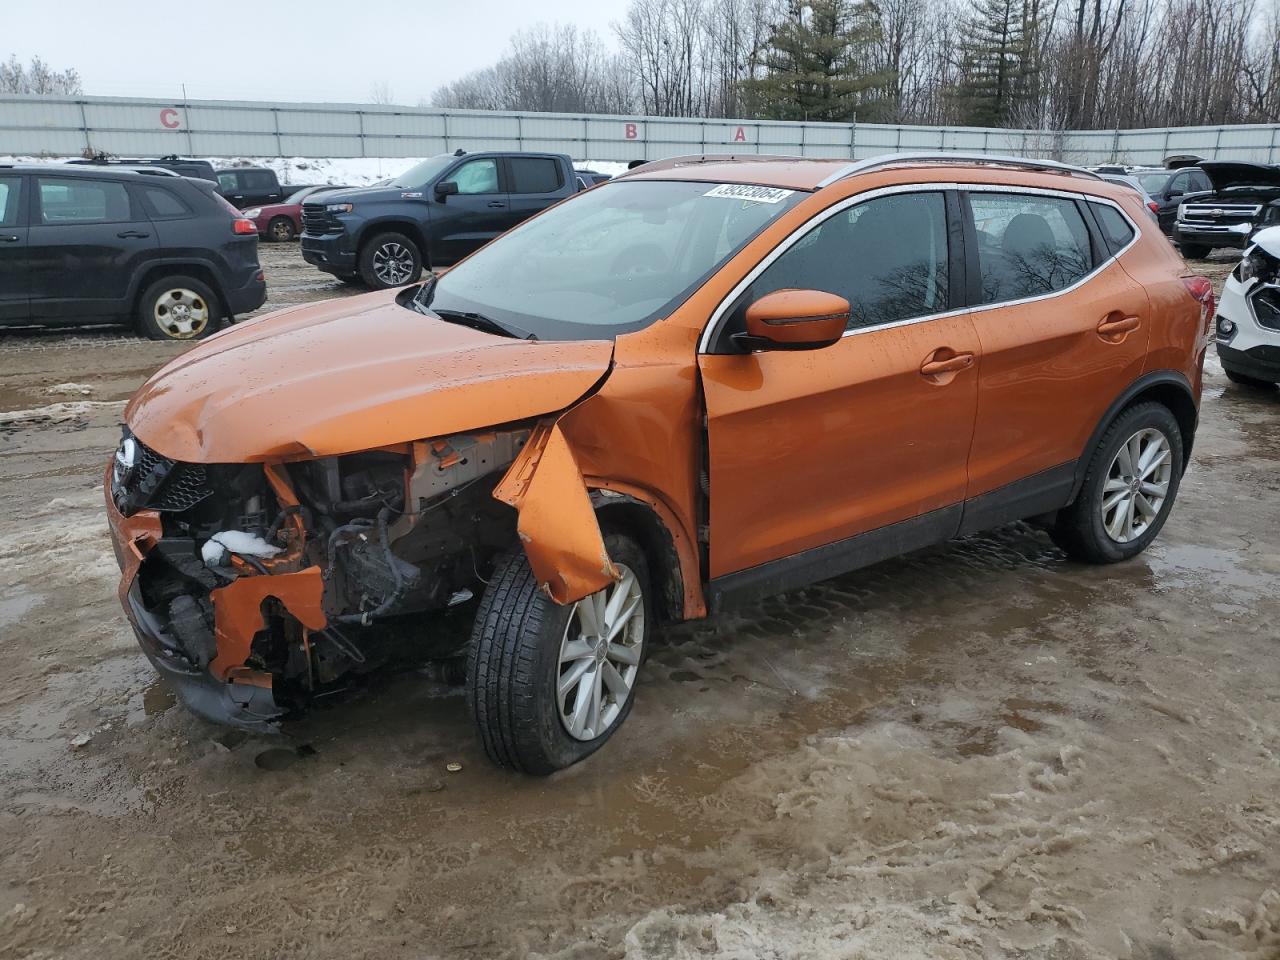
column 982, row 750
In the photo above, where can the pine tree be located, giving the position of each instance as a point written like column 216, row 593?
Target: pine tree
column 818, row 64
column 999, row 61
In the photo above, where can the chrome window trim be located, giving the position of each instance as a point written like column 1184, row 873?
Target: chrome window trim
column 717, row 315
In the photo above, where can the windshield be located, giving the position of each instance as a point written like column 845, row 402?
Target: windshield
column 1153, row 183
column 610, row 260
column 420, row 174
column 301, row 195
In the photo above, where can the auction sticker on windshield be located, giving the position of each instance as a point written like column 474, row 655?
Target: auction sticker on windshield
column 745, row 191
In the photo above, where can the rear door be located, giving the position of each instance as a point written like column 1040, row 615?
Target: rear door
column 811, row 449
column 87, row 241
column 533, row 184
column 470, row 218
column 259, row 187
column 1063, row 329
column 14, row 269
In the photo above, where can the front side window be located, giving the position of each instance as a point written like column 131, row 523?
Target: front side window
column 477, row 176
column 10, row 187
column 534, row 175
column 64, row 200
column 1028, row 245
column 228, row 182
column 1200, row 181
column 1181, row 183
column 886, row 256
column 609, row 260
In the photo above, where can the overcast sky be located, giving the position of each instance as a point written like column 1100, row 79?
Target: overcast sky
column 328, row 50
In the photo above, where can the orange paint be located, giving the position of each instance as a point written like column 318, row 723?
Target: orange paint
column 238, row 612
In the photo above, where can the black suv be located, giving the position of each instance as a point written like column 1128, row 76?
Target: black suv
column 248, row 187
column 435, row 214
column 97, row 245
column 182, row 166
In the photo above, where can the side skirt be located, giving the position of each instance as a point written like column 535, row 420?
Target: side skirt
column 1042, row 493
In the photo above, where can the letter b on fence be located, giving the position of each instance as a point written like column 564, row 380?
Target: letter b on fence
column 630, row 131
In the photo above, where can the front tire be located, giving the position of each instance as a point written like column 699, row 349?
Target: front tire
column 546, row 684
column 1195, row 251
column 178, row 308
column 390, row 260
column 1128, row 490
column 281, row 230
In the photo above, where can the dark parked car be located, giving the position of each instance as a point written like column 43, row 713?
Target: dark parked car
column 182, row 166
column 281, row 222
column 1125, row 180
column 433, row 214
column 589, row 178
column 250, row 186
column 1168, row 188
column 92, row 245
column 1243, row 199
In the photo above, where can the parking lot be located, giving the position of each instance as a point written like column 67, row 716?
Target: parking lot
column 979, row 750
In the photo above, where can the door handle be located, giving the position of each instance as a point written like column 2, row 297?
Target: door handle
column 496, row 203
column 1114, row 327
column 132, row 235
column 9, row 239
column 933, row 368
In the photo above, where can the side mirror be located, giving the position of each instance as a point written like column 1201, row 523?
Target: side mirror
column 446, row 188
column 794, row 320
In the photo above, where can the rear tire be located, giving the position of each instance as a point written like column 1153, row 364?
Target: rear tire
column 526, row 648
column 390, row 260
column 1247, row 381
column 281, row 230
column 178, row 308
column 1195, row 251
column 1116, row 514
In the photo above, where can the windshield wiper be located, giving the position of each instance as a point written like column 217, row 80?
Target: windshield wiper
column 479, row 321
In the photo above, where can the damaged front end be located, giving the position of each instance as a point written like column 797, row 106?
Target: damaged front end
column 256, row 587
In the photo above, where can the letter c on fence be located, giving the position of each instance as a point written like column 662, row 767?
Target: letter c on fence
column 169, row 118
column 629, row 131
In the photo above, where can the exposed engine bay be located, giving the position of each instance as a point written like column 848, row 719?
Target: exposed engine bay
column 296, row 577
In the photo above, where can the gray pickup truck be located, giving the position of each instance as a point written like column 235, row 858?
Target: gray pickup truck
column 432, row 215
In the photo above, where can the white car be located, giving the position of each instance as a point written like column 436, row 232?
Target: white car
column 1249, row 314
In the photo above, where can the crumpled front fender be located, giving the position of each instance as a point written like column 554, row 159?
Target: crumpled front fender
column 557, row 522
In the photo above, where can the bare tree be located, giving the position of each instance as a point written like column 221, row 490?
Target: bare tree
column 380, row 93
column 37, row 77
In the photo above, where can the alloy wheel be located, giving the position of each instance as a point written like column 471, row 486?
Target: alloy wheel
column 181, row 313
column 1137, row 485
column 393, row 264
column 600, row 656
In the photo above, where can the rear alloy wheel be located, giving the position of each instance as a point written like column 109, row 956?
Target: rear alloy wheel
column 390, row 260
column 178, row 308
column 281, row 230
column 1128, row 489
column 549, row 684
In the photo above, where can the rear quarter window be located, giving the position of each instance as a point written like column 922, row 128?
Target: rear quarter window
column 1115, row 228
column 163, row 205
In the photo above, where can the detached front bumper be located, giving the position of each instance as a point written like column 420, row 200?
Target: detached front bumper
column 227, row 690
column 1228, row 235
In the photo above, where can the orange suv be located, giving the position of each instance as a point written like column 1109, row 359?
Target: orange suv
column 711, row 379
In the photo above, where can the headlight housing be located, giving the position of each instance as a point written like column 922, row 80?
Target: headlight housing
column 1258, row 265
column 252, row 213
column 337, row 208
column 1182, row 211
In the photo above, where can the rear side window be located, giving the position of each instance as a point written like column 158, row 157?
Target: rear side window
column 10, row 188
column 1115, row 228
column 887, row 257
column 535, row 175
column 64, row 200
column 258, row 180
column 163, row 205
column 1028, row 245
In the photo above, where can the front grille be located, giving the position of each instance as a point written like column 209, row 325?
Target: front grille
column 1206, row 215
column 159, row 483
column 1266, row 307
column 315, row 221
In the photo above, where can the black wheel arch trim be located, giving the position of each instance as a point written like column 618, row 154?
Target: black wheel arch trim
column 176, row 265
column 1156, row 378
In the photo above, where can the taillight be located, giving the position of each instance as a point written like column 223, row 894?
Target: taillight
column 241, row 225
column 1202, row 289
column 1153, row 206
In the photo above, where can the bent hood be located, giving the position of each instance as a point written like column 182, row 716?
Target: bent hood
column 349, row 375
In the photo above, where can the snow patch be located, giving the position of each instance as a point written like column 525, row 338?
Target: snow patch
column 214, row 551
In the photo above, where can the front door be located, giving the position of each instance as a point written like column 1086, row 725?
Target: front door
column 823, row 460
column 1063, row 329
column 86, row 243
column 478, row 212
column 14, row 271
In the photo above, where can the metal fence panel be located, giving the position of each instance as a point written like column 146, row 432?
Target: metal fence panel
column 62, row 126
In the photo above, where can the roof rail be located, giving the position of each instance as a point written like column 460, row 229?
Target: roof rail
column 888, row 159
